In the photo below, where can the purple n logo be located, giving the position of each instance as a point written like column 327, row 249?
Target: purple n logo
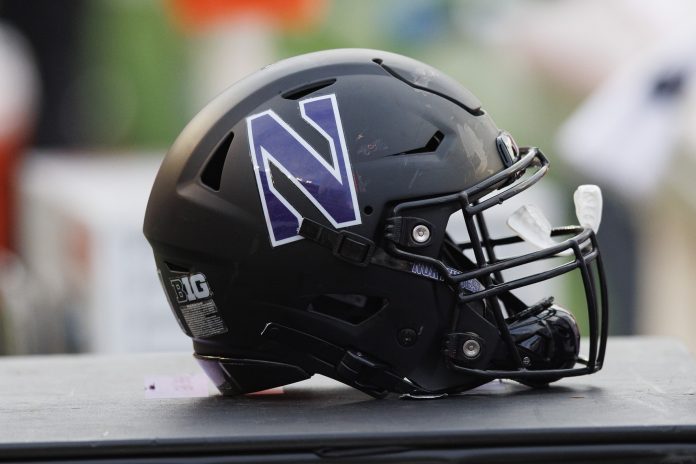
column 329, row 186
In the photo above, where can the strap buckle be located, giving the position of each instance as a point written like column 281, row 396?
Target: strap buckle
column 345, row 245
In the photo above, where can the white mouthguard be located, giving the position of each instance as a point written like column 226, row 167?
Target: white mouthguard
column 588, row 206
column 530, row 223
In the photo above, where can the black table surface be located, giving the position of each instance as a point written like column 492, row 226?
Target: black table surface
column 97, row 407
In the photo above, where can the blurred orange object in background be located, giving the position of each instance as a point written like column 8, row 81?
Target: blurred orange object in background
column 18, row 95
column 11, row 147
column 290, row 14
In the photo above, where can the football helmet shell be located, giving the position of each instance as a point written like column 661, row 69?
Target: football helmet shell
column 299, row 226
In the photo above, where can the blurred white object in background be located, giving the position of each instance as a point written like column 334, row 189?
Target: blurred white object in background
column 624, row 135
column 635, row 59
column 81, row 236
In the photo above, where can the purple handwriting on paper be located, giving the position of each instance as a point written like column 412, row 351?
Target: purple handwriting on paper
column 176, row 386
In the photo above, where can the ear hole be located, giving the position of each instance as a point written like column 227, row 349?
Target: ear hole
column 351, row 308
column 368, row 210
column 303, row 91
column 212, row 173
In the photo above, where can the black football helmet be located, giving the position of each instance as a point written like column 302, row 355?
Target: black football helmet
column 299, row 226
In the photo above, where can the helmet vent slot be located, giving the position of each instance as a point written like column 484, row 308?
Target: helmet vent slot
column 175, row 267
column 429, row 147
column 302, row 91
column 350, row 308
column 212, row 173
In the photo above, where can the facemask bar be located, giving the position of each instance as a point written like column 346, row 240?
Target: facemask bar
column 582, row 242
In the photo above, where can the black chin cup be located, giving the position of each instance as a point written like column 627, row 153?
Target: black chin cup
column 546, row 340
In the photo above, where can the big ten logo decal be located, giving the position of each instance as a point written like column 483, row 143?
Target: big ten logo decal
column 329, row 186
column 190, row 288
